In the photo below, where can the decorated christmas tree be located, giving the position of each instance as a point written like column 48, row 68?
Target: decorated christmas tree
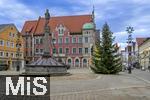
column 105, row 58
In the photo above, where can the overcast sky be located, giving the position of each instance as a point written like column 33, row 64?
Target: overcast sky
column 117, row 13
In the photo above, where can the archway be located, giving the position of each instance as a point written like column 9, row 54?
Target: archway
column 77, row 64
column 69, row 62
column 84, row 62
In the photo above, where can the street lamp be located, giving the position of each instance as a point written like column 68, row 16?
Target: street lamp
column 18, row 45
column 130, row 42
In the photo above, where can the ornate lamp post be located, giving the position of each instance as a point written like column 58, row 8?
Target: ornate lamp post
column 130, row 43
column 18, row 45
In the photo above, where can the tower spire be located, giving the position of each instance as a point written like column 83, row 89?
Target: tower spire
column 93, row 13
column 93, row 16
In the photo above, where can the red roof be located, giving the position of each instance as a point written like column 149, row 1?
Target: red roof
column 72, row 23
column 140, row 41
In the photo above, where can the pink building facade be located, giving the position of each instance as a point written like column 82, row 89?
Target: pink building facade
column 72, row 39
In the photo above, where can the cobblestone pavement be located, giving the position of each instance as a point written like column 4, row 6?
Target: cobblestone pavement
column 105, row 87
column 76, row 74
column 131, row 93
column 84, row 85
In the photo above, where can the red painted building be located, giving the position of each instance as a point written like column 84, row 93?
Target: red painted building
column 72, row 38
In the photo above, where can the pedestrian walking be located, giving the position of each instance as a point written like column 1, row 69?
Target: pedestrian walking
column 129, row 69
column 149, row 68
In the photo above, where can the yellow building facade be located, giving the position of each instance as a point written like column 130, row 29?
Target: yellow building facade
column 144, row 53
column 11, row 47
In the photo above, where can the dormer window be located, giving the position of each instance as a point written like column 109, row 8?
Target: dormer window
column 60, row 29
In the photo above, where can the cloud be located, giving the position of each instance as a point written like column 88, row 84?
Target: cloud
column 118, row 14
column 122, row 45
column 15, row 12
column 123, row 33
column 58, row 11
column 141, row 2
column 141, row 25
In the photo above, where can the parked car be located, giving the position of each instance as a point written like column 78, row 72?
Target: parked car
column 136, row 65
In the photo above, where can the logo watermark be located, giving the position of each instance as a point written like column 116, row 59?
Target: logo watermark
column 23, row 87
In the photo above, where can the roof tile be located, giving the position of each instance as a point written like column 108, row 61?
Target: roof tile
column 140, row 41
column 72, row 23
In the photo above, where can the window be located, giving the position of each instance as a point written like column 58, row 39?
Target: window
column 16, row 55
column 1, row 54
column 86, row 39
column 67, row 50
column 61, row 31
column 60, row 40
column 26, row 42
column 54, row 51
column 37, row 41
column 20, row 55
column 37, row 50
column 86, row 50
column 60, row 50
column 69, row 61
column 1, row 42
column 74, row 51
column 77, row 63
column 41, row 50
column 80, row 50
column 73, row 40
column 41, row 41
column 80, row 40
column 7, row 54
column 12, row 44
column 12, row 55
column 67, row 40
column 8, row 44
column 84, row 61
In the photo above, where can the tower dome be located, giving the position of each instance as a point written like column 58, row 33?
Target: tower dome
column 88, row 26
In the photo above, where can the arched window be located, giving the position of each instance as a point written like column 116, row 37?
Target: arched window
column 77, row 63
column 69, row 61
column 61, row 29
column 84, row 63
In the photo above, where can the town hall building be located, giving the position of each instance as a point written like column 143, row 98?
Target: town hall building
column 72, row 38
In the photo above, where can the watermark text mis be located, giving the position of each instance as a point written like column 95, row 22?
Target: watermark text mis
column 15, row 87
column 30, row 85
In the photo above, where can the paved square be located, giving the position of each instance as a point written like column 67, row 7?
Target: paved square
column 101, row 87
